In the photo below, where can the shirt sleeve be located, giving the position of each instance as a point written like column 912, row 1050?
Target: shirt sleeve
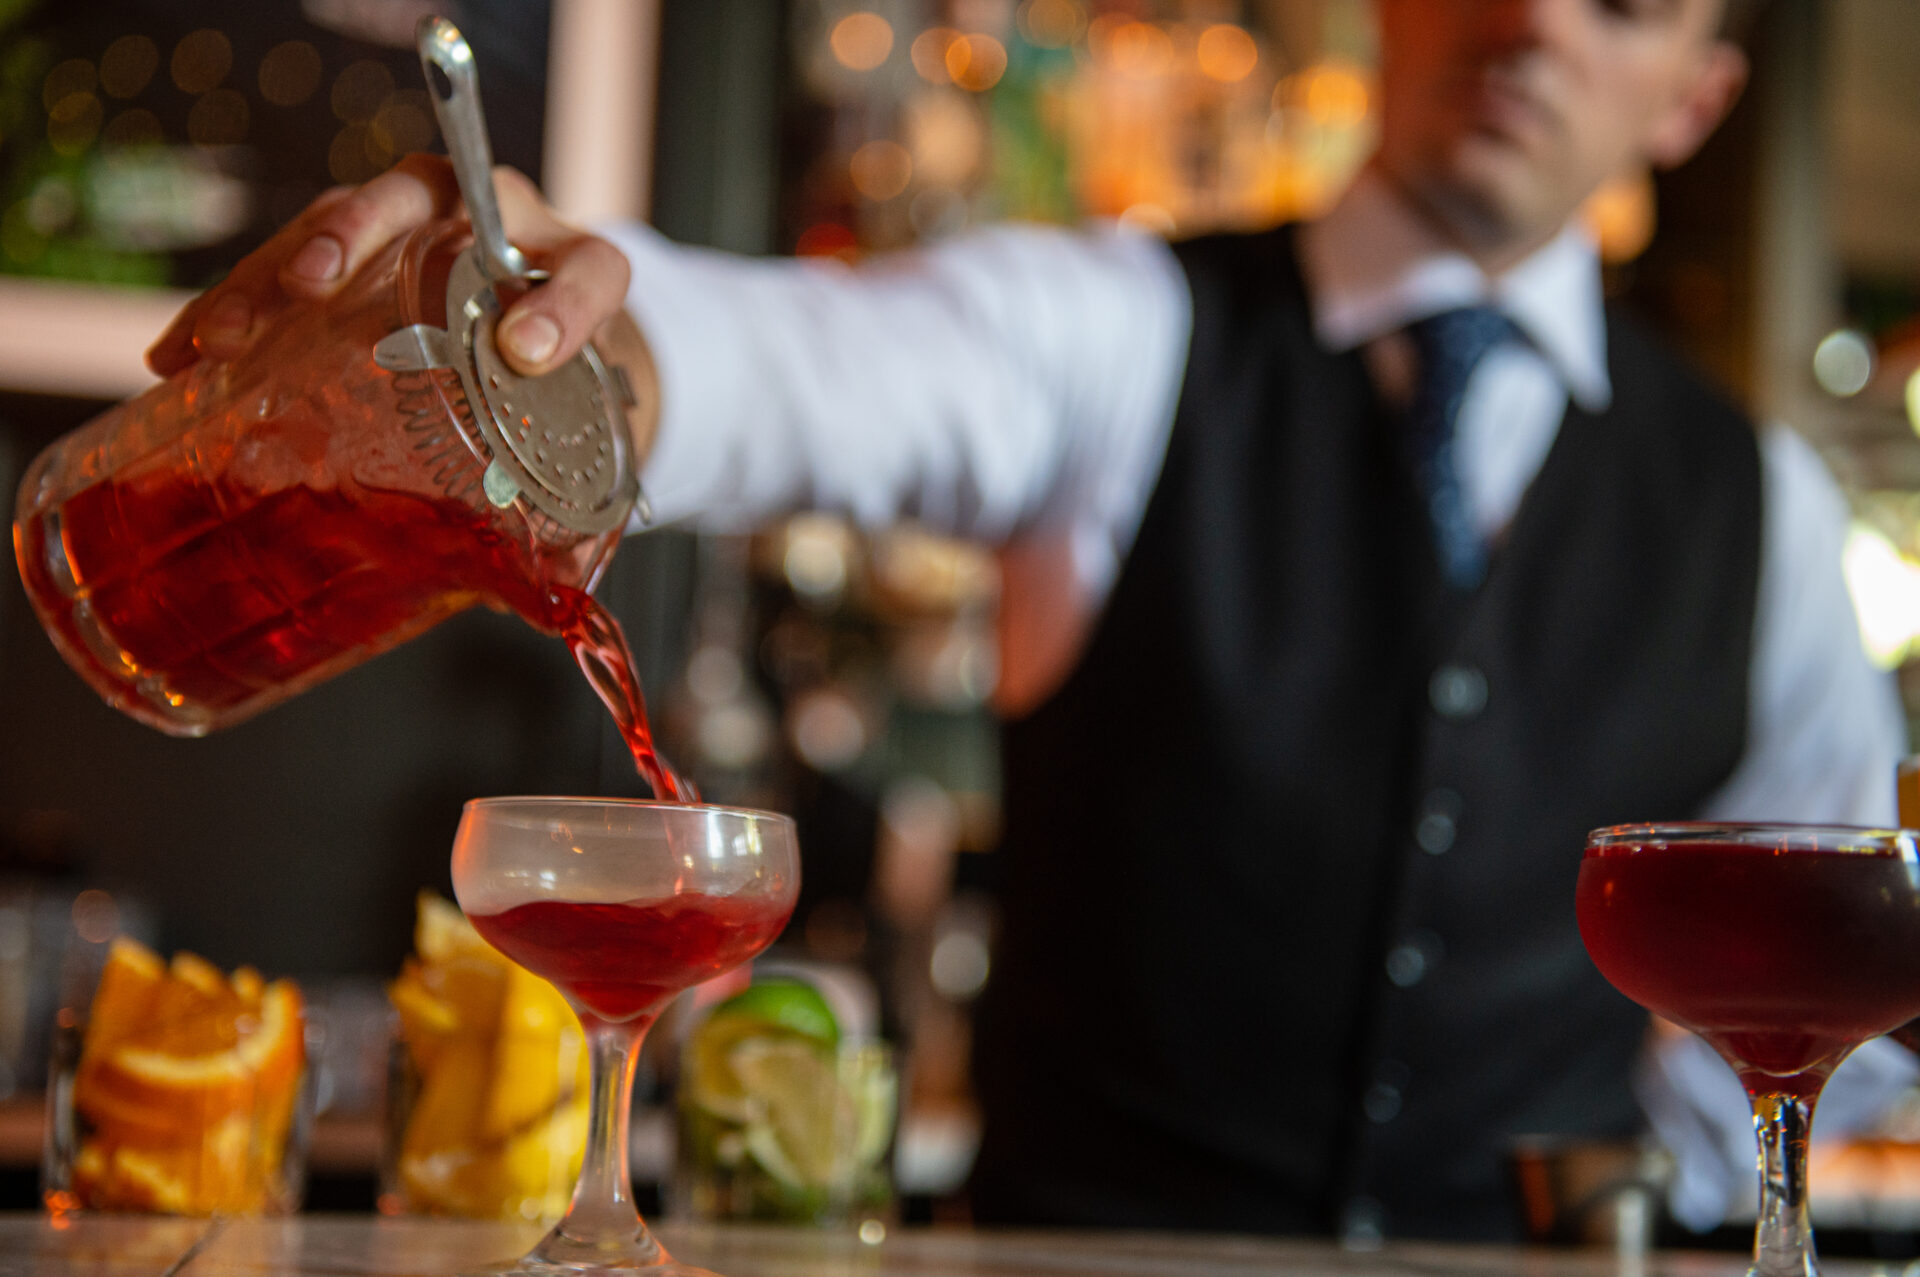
column 1825, row 728
column 1016, row 377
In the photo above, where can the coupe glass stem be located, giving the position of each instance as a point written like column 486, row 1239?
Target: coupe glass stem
column 1783, row 1237
column 602, row 1225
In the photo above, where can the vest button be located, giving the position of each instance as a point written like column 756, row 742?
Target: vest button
column 1363, row 1224
column 1457, row 692
column 1438, row 822
column 1409, row 961
column 1381, row 1103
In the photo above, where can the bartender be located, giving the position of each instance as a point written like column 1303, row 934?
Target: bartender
column 1355, row 570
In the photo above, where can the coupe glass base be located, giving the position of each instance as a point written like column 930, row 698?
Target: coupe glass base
column 558, row 1255
column 535, row 1268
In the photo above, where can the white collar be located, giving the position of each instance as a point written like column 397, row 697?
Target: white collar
column 1373, row 266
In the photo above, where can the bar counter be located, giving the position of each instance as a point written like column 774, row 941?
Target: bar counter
column 370, row 1246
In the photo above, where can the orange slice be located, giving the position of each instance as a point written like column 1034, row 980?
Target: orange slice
column 212, row 1175
column 191, row 1071
column 188, row 1081
column 248, row 986
column 129, row 984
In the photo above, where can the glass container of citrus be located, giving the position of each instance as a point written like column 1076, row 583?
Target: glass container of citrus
column 782, row 1120
column 487, row 1089
column 180, row 1090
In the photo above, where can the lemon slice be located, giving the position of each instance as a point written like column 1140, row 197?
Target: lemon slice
column 540, row 1057
column 441, row 932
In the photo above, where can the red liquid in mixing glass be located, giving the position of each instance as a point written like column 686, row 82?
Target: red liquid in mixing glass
column 208, row 586
column 1783, row 959
column 623, row 961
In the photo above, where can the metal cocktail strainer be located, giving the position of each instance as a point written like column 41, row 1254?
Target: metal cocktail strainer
column 559, row 441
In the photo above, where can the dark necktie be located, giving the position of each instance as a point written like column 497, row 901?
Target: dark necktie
column 1450, row 346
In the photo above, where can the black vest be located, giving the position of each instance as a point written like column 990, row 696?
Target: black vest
column 1288, row 940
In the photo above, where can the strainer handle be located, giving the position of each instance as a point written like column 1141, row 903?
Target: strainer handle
column 456, row 102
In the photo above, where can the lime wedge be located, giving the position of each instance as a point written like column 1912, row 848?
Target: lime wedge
column 867, row 1071
column 785, row 1010
column 707, row 1077
column 788, row 1004
column 804, row 1123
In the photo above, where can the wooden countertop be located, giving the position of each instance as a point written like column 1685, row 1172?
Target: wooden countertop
column 370, row 1246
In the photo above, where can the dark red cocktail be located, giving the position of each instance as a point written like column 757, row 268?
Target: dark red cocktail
column 1784, row 946
column 1785, row 959
column 622, row 962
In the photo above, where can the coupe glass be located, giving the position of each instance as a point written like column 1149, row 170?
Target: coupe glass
column 621, row 904
column 1784, row 946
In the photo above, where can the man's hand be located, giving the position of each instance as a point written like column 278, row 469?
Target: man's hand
column 313, row 255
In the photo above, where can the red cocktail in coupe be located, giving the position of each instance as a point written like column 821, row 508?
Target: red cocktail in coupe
column 1784, row 946
column 624, row 961
column 622, row 904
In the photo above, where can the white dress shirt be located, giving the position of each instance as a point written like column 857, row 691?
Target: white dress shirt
column 1019, row 385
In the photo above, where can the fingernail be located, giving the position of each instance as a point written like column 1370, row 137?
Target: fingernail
column 532, row 337
column 231, row 314
column 319, row 260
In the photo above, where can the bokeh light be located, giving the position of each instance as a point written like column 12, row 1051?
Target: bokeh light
column 405, row 123
column 379, row 156
column 1843, row 363
column 1885, row 587
column 74, row 122
column 735, row 736
column 827, row 239
column 134, row 127
column 715, row 674
column 1052, row 24
column 352, row 155
column 817, row 559
column 128, row 65
column 861, row 41
column 290, row 73
column 960, row 965
column 96, row 916
column 359, row 90
column 1621, row 216
column 946, row 136
column 1334, row 94
column 929, row 53
column 201, row 60
column 1141, row 49
column 1226, row 53
column 826, row 729
column 218, row 118
column 976, row 62
column 66, row 79
column 881, row 169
